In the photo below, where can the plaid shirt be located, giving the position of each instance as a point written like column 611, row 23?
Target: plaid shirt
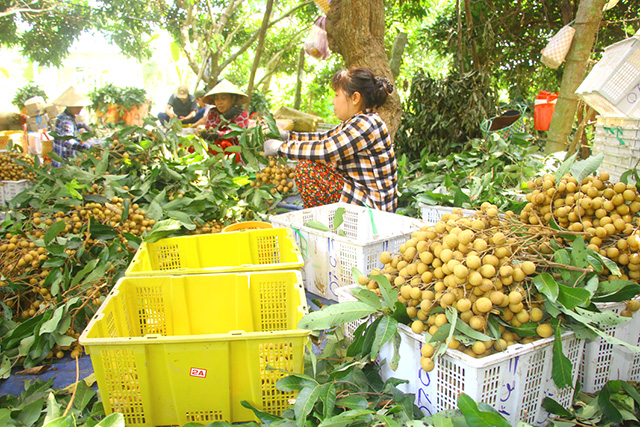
column 360, row 149
column 66, row 126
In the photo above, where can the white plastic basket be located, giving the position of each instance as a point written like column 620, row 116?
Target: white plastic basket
column 10, row 189
column 330, row 257
column 613, row 85
column 433, row 214
column 604, row 361
column 618, row 139
column 514, row 382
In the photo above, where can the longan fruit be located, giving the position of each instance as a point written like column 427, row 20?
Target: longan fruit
column 477, row 323
column 515, row 297
column 536, row 314
column 544, row 330
column 385, row 257
column 427, row 350
column 483, row 305
column 427, row 364
column 464, row 304
column 478, row 347
column 633, row 305
column 417, row 327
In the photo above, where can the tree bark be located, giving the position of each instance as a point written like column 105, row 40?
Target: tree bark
column 396, row 53
column 355, row 30
column 297, row 100
column 261, row 36
column 587, row 24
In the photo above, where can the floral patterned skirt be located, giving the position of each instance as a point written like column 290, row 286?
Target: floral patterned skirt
column 318, row 183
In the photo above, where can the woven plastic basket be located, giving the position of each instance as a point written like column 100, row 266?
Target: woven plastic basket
column 512, row 127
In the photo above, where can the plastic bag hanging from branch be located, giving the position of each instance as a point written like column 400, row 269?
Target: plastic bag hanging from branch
column 316, row 44
column 556, row 50
column 323, row 4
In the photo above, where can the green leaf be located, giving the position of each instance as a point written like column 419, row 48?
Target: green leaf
column 477, row 418
column 53, row 408
column 162, row 229
column 547, row 285
column 316, row 225
column 441, row 334
column 66, row 421
column 565, row 167
column 395, row 360
column 369, row 336
column 5, row 418
column 579, row 253
column 387, row 327
column 305, row 402
column 113, row 420
column 561, row 369
column 328, row 398
column 293, row 383
column 265, row 417
column 30, row 413
column 90, row 266
column 555, row 408
column 616, row 291
column 53, row 230
column 611, row 266
column 368, row 297
column 584, row 168
column 357, row 416
column 354, row 401
column 631, row 391
column 561, row 256
column 467, row 330
column 389, row 294
column 400, row 313
column 338, row 217
column 573, row 297
column 84, row 394
column 5, row 367
column 607, row 407
column 52, row 324
column 336, row 314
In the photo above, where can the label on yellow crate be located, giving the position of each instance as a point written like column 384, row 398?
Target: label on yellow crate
column 197, row 372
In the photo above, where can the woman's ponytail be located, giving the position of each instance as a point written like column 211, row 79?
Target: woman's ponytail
column 373, row 89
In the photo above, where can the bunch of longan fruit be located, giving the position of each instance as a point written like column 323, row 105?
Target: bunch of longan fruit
column 278, row 174
column 606, row 214
column 476, row 265
column 11, row 171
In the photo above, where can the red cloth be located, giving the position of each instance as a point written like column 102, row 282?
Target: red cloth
column 214, row 118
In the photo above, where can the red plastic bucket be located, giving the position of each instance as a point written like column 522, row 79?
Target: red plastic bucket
column 543, row 109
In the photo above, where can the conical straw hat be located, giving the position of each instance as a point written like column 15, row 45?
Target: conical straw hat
column 225, row 86
column 71, row 98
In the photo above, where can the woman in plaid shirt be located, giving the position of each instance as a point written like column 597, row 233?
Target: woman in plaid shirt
column 354, row 162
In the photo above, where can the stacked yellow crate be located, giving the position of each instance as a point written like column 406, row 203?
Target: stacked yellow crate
column 189, row 332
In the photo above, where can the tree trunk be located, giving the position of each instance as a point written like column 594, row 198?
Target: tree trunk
column 587, row 24
column 396, row 54
column 355, row 30
column 298, row 97
column 261, row 36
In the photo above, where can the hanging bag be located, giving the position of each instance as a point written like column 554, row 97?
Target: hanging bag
column 556, row 50
column 316, row 44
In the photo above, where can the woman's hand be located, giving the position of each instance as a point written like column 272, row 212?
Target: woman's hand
column 271, row 147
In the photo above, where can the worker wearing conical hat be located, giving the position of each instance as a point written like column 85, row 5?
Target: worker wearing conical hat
column 66, row 125
column 226, row 100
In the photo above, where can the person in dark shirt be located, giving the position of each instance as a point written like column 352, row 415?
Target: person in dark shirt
column 181, row 105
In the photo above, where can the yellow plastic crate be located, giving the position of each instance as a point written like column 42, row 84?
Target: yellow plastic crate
column 250, row 250
column 169, row 350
